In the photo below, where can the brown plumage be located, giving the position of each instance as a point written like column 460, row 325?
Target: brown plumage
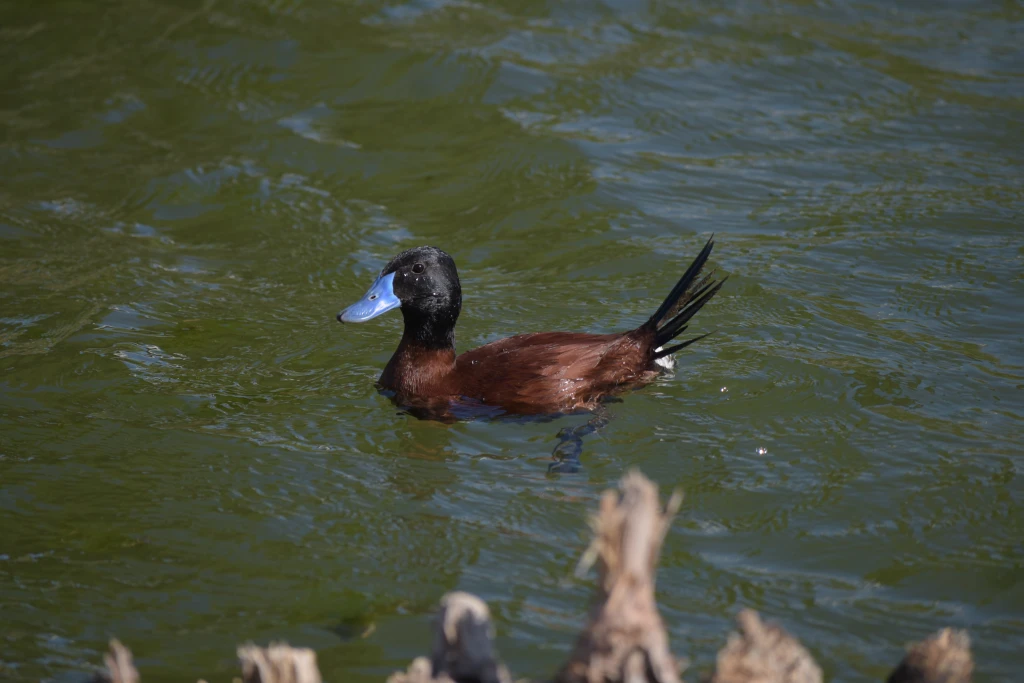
column 528, row 374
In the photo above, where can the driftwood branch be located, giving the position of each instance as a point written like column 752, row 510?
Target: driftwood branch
column 624, row 641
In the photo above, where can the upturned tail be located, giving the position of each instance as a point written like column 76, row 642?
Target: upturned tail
column 686, row 298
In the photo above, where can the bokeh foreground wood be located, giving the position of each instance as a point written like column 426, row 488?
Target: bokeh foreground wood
column 624, row 640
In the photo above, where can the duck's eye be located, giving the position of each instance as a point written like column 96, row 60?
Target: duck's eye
column 418, row 268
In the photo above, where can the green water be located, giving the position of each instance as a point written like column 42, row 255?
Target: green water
column 192, row 453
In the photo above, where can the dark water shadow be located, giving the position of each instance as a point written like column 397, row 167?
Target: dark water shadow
column 566, row 455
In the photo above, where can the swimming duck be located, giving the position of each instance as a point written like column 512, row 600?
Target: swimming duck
column 527, row 374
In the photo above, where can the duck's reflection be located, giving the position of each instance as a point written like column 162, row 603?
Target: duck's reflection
column 566, row 455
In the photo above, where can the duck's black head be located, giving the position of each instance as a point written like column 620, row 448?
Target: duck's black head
column 424, row 283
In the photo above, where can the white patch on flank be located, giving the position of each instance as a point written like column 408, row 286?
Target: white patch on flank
column 667, row 362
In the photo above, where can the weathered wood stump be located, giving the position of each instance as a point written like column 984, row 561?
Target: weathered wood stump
column 120, row 667
column 763, row 653
column 625, row 638
column 278, row 663
column 943, row 658
column 463, row 646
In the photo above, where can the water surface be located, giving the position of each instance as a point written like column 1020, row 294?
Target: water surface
column 192, row 452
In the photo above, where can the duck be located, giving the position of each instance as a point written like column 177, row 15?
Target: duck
column 533, row 374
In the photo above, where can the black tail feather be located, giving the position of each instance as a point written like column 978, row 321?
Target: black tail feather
column 697, row 288
column 683, row 302
column 684, row 283
column 672, row 349
column 677, row 325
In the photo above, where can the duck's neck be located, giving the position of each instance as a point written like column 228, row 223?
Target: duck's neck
column 433, row 331
column 423, row 362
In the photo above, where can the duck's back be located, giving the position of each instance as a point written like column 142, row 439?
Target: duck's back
column 552, row 372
